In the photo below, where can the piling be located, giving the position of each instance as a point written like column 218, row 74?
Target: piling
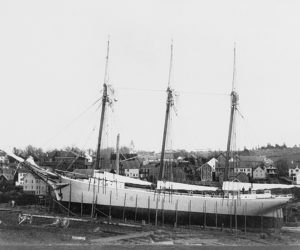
column 235, row 215
column 81, row 205
column 70, row 194
column 245, row 213
column 261, row 219
column 204, row 211
column 156, row 211
column 216, row 214
column 190, row 207
column 148, row 209
column 176, row 213
column 124, row 207
column 163, row 211
column 135, row 212
column 109, row 212
column 95, row 205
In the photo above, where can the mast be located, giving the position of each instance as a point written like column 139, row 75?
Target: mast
column 105, row 99
column 234, row 103
column 170, row 103
column 118, row 155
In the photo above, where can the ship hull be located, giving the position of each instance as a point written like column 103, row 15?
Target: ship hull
column 110, row 199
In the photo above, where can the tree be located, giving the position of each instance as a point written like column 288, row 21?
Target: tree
column 282, row 167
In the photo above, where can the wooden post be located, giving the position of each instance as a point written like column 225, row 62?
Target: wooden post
column 81, row 205
column 261, row 219
column 216, row 214
column 95, row 205
column 235, row 215
column 135, row 213
column 190, row 208
column 163, row 211
column 92, row 208
column 109, row 213
column 204, row 211
column 245, row 209
column 148, row 209
column 156, row 211
column 70, row 196
column 230, row 216
column 124, row 207
column 176, row 213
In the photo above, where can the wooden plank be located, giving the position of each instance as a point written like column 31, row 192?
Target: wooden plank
column 121, row 237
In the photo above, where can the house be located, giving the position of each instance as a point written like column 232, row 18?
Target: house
column 21, row 172
column 293, row 170
column 259, row 173
column 3, row 159
column 130, row 168
column 296, row 178
column 174, row 171
column 34, row 185
column 61, row 159
column 8, row 172
column 207, row 170
column 220, row 166
column 3, row 183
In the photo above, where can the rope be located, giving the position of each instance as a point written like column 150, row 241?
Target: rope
column 180, row 92
column 70, row 123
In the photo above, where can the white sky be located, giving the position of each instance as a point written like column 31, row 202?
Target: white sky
column 52, row 67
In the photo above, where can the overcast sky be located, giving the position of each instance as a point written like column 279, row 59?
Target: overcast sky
column 52, row 59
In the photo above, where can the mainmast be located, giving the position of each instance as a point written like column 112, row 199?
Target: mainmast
column 105, row 100
column 234, row 104
column 170, row 103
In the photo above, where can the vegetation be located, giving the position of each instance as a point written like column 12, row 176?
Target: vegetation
column 282, row 167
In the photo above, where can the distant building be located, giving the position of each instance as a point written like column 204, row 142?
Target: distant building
column 130, row 168
column 296, row 178
column 3, row 159
column 3, row 183
column 61, row 159
column 207, row 170
column 21, row 172
column 34, row 185
column 293, row 170
column 7, row 172
column 174, row 170
column 259, row 173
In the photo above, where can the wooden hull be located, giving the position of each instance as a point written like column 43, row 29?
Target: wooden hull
column 168, row 207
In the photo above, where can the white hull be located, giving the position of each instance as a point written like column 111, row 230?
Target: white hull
column 114, row 194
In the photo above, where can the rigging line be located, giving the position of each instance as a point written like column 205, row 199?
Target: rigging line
column 183, row 92
column 72, row 121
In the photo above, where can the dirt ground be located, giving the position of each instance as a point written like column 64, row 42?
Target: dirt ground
column 42, row 232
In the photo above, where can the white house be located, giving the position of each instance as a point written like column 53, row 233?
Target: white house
column 21, row 173
column 132, row 172
column 293, row 171
column 259, row 173
column 33, row 185
column 296, row 178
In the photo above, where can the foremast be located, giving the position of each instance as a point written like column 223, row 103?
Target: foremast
column 234, row 104
column 105, row 100
column 169, row 104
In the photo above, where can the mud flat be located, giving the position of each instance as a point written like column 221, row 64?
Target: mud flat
column 47, row 230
